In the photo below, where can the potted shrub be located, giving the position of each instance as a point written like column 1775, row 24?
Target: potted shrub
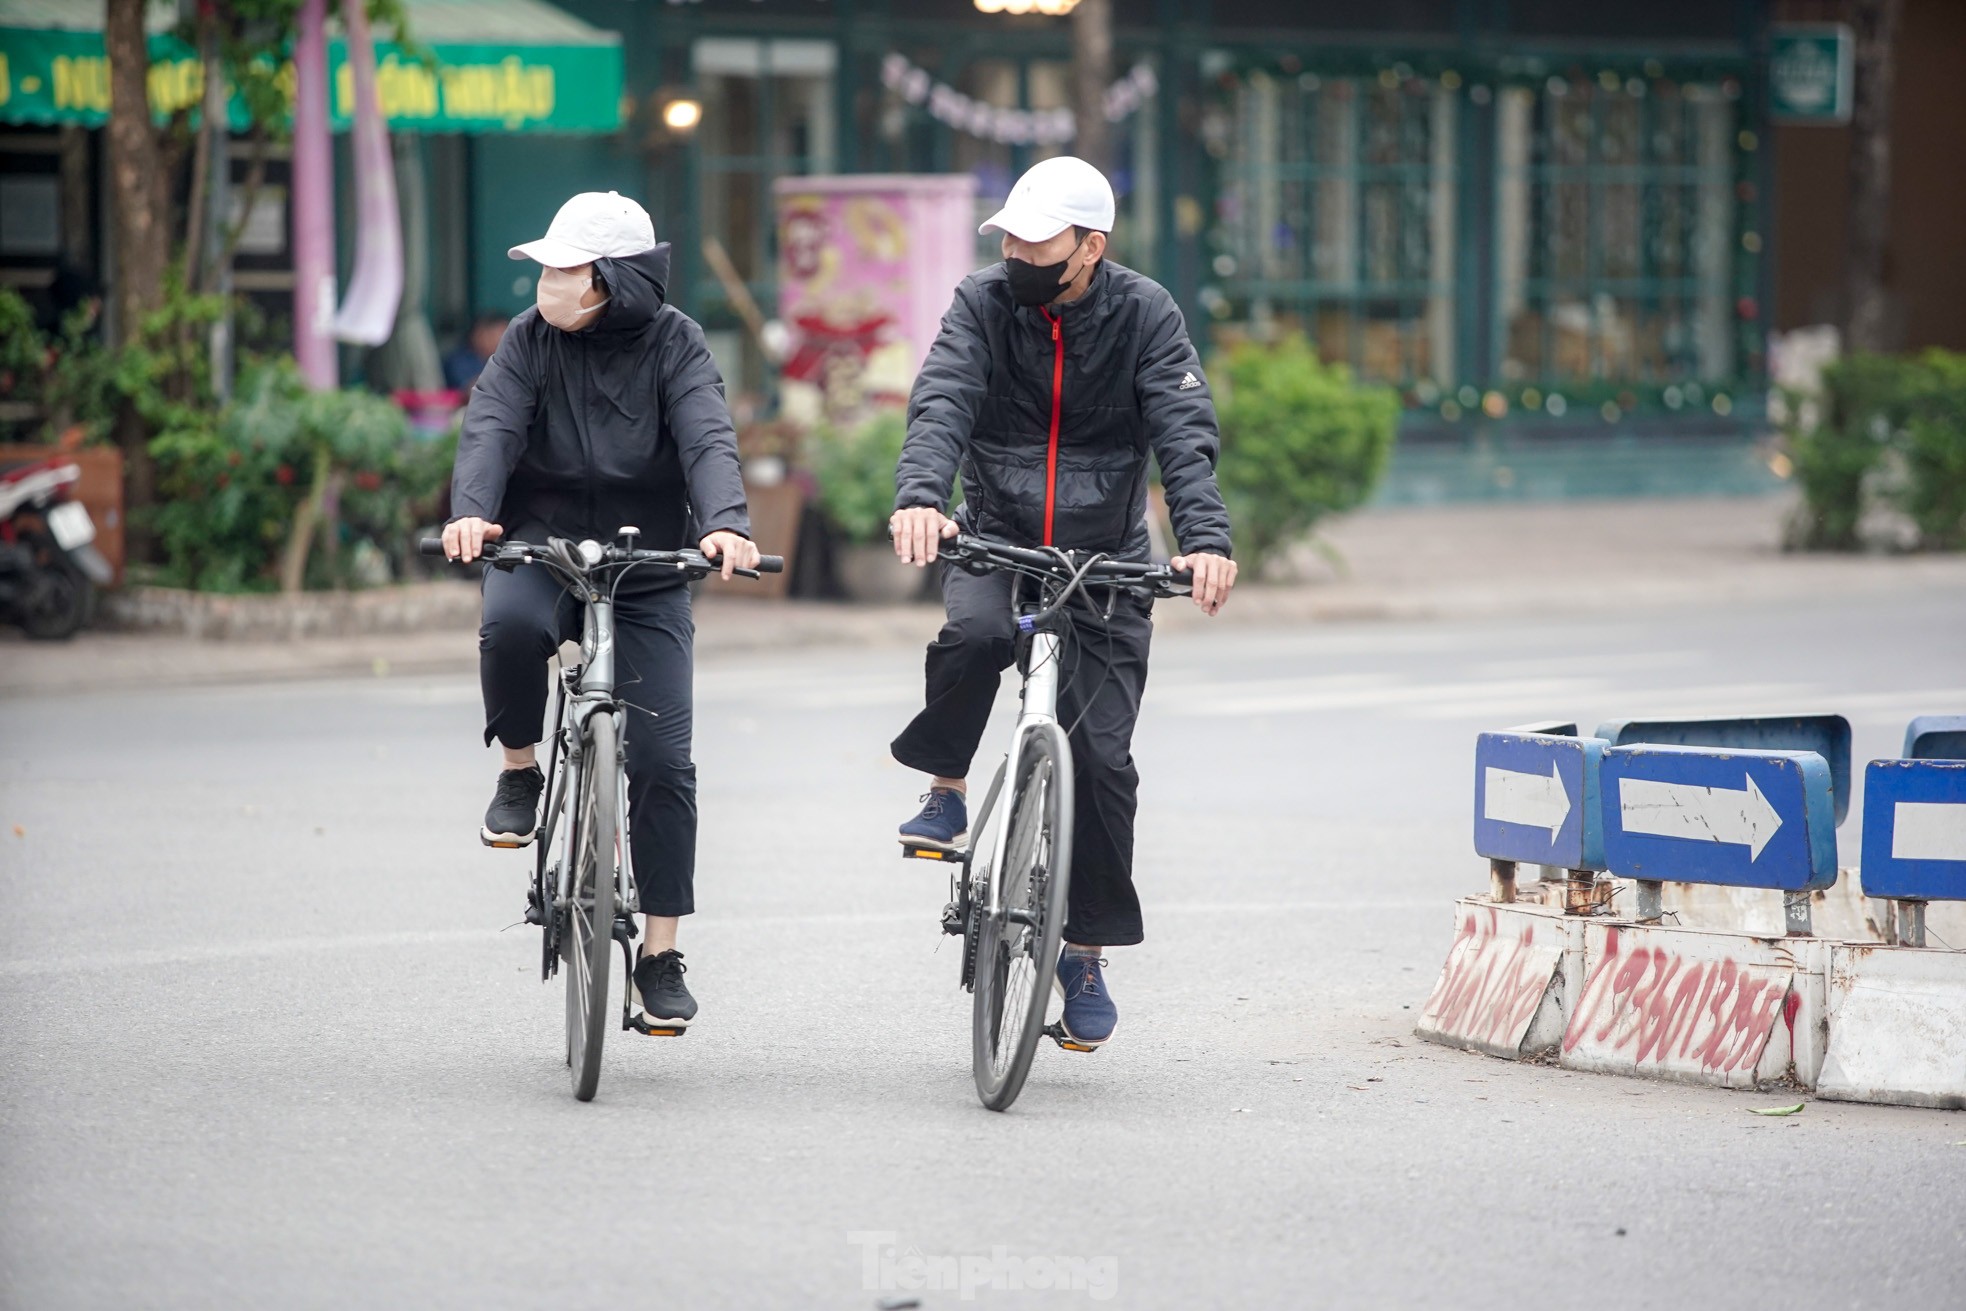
column 854, row 469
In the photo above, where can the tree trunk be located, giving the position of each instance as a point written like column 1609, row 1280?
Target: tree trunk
column 1092, row 73
column 141, row 243
column 138, row 221
column 1876, row 25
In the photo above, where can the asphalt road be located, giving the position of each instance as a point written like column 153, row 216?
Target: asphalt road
column 269, row 1043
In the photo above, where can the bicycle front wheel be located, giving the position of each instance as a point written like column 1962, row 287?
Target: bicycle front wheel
column 586, row 947
column 1018, row 952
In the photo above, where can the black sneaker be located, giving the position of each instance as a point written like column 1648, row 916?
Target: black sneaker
column 666, row 1003
column 514, row 814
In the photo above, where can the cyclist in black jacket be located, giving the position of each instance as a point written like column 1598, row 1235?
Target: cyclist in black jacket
column 1055, row 376
column 602, row 408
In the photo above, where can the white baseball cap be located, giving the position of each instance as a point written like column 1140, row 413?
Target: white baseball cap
column 593, row 225
column 1053, row 195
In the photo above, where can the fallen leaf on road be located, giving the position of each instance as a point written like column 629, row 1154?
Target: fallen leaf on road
column 1777, row 1110
column 20, row 830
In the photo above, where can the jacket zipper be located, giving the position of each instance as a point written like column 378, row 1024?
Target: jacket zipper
column 1057, row 396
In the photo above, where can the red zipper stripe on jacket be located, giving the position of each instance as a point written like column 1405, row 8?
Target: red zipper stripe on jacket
column 1057, row 395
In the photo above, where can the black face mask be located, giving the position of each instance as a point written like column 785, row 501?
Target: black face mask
column 1037, row 284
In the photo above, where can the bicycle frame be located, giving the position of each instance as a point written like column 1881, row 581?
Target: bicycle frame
column 1038, row 708
column 585, row 690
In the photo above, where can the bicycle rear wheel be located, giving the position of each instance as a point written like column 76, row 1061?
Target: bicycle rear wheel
column 1018, row 951
column 587, row 944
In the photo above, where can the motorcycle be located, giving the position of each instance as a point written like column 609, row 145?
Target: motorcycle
column 49, row 566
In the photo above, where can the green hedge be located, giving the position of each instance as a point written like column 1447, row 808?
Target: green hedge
column 1887, row 430
column 1301, row 439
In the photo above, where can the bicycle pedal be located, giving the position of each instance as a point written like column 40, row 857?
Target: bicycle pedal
column 1056, row 1032
column 915, row 851
column 640, row 1024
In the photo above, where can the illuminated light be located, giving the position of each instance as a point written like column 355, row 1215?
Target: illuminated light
column 1749, row 140
column 1780, row 465
column 1751, row 242
column 1556, row 405
column 682, row 115
column 1494, row 405
column 1449, row 411
column 1722, row 405
column 1611, row 412
column 1531, row 399
column 1451, row 80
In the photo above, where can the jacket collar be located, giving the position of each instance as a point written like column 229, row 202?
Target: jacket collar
column 1072, row 312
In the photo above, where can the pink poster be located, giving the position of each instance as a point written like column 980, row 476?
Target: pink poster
column 866, row 267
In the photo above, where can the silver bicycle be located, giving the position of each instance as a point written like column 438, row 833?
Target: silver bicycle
column 1009, row 891
column 583, row 886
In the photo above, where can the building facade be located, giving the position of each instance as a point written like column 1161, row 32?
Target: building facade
column 1518, row 211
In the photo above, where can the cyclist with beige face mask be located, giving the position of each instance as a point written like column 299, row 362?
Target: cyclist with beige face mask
column 602, row 409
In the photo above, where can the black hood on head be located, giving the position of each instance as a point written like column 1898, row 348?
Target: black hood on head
column 639, row 287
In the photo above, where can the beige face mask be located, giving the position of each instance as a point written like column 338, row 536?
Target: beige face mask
column 559, row 299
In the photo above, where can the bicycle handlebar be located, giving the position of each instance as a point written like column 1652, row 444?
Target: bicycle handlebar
column 505, row 555
column 1161, row 580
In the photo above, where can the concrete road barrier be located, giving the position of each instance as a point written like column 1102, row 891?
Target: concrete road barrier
column 1501, row 990
column 1897, row 1026
column 1698, row 1007
column 1756, row 998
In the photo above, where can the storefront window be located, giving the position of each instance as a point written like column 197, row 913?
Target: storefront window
column 1335, row 217
column 768, row 111
column 1615, row 223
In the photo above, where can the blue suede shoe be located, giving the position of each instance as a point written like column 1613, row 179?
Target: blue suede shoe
column 1090, row 1016
column 944, row 821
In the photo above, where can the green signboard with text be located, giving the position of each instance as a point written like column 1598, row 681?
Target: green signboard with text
column 51, row 76
column 1809, row 73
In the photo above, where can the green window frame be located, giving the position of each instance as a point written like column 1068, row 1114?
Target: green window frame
column 1547, row 233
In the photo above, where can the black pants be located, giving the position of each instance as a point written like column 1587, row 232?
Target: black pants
column 527, row 615
column 1103, row 676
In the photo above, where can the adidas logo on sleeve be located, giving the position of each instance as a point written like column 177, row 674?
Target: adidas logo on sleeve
column 1188, row 382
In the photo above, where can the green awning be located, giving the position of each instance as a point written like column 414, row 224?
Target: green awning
column 500, row 66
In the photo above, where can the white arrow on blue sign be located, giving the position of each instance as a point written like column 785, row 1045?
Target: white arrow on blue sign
column 1758, row 819
column 1915, row 829
column 1536, row 799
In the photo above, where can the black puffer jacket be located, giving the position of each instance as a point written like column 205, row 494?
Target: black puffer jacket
column 575, row 434
column 1060, row 426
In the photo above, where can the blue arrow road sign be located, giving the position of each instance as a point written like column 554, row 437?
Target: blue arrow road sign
column 1915, row 829
column 1536, row 799
column 1936, row 737
column 1826, row 735
column 1754, row 819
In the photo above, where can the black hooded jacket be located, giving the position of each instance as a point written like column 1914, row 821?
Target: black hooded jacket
column 576, row 434
column 1052, row 413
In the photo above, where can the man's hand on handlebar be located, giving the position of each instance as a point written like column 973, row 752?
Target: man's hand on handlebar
column 1215, row 576
column 732, row 550
column 919, row 532
column 464, row 539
